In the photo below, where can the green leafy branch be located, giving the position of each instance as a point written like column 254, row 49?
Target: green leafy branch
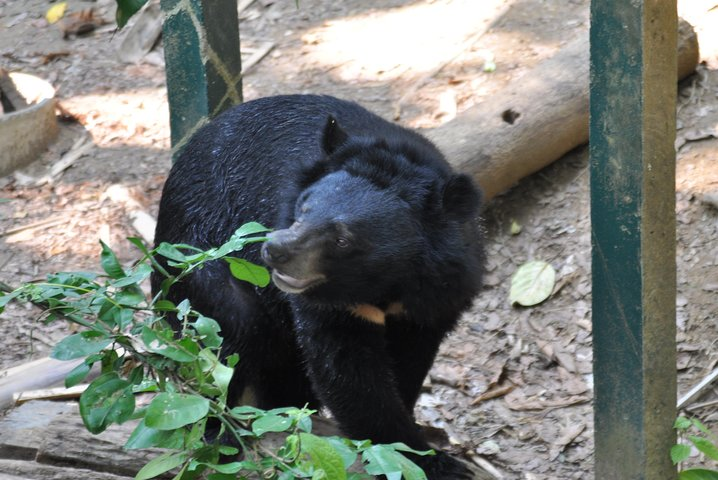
column 694, row 435
column 129, row 337
column 125, row 10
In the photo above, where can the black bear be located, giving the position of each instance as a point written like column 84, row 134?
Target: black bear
column 375, row 254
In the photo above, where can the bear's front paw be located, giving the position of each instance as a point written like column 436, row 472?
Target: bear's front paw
column 444, row 467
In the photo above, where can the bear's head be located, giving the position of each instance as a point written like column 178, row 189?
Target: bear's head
column 370, row 218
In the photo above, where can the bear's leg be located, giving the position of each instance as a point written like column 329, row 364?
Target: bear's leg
column 412, row 348
column 287, row 386
column 269, row 373
column 351, row 372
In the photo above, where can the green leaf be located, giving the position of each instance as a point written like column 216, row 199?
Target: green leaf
column 698, row 474
column 385, row 460
column 137, row 242
column 222, row 374
column 239, row 239
column 165, row 306
column 77, row 374
column 410, row 470
column 75, row 279
column 226, row 468
column 141, row 273
column 701, row 428
column 169, row 411
column 227, row 450
column 122, row 317
column 532, row 283
column 209, row 330
column 183, row 309
column 250, row 228
column 402, row 447
column 172, row 252
column 323, row 456
column 707, row 447
column 80, row 345
column 137, row 376
column 349, row 456
column 183, row 350
column 146, row 437
column 222, row 476
column 246, row 412
column 107, row 400
column 680, row 453
column 231, row 469
column 6, row 298
column 232, row 360
column 109, row 262
column 682, row 423
column 381, row 460
column 130, row 296
column 270, row 423
column 304, row 423
column 166, row 284
column 125, row 10
column 159, row 465
column 247, row 271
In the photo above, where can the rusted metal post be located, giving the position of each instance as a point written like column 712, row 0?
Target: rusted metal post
column 201, row 43
column 632, row 132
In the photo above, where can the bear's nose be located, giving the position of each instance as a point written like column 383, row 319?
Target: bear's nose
column 274, row 253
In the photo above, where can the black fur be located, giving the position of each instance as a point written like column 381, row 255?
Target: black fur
column 366, row 213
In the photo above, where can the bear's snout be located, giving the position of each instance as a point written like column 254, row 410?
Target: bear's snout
column 281, row 246
column 293, row 259
column 275, row 253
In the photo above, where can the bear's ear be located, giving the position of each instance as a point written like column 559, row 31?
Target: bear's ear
column 333, row 136
column 460, row 198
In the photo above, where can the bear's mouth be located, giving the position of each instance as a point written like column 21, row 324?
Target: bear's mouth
column 289, row 284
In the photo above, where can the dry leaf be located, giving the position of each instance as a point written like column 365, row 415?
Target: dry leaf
column 494, row 392
column 55, row 12
column 568, row 435
column 532, row 283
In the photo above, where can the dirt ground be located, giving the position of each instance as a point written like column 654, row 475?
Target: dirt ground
column 385, row 56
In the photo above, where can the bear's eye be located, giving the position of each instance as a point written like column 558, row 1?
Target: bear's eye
column 342, row 242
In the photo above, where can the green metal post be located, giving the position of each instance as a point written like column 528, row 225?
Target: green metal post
column 201, row 43
column 632, row 132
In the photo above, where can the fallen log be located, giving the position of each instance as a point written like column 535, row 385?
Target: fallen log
column 41, row 373
column 47, row 440
column 536, row 120
column 50, row 436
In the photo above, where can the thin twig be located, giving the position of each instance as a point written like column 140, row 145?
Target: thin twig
column 243, row 5
column 4, row 287
column 697, row 390
column 42, row 224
